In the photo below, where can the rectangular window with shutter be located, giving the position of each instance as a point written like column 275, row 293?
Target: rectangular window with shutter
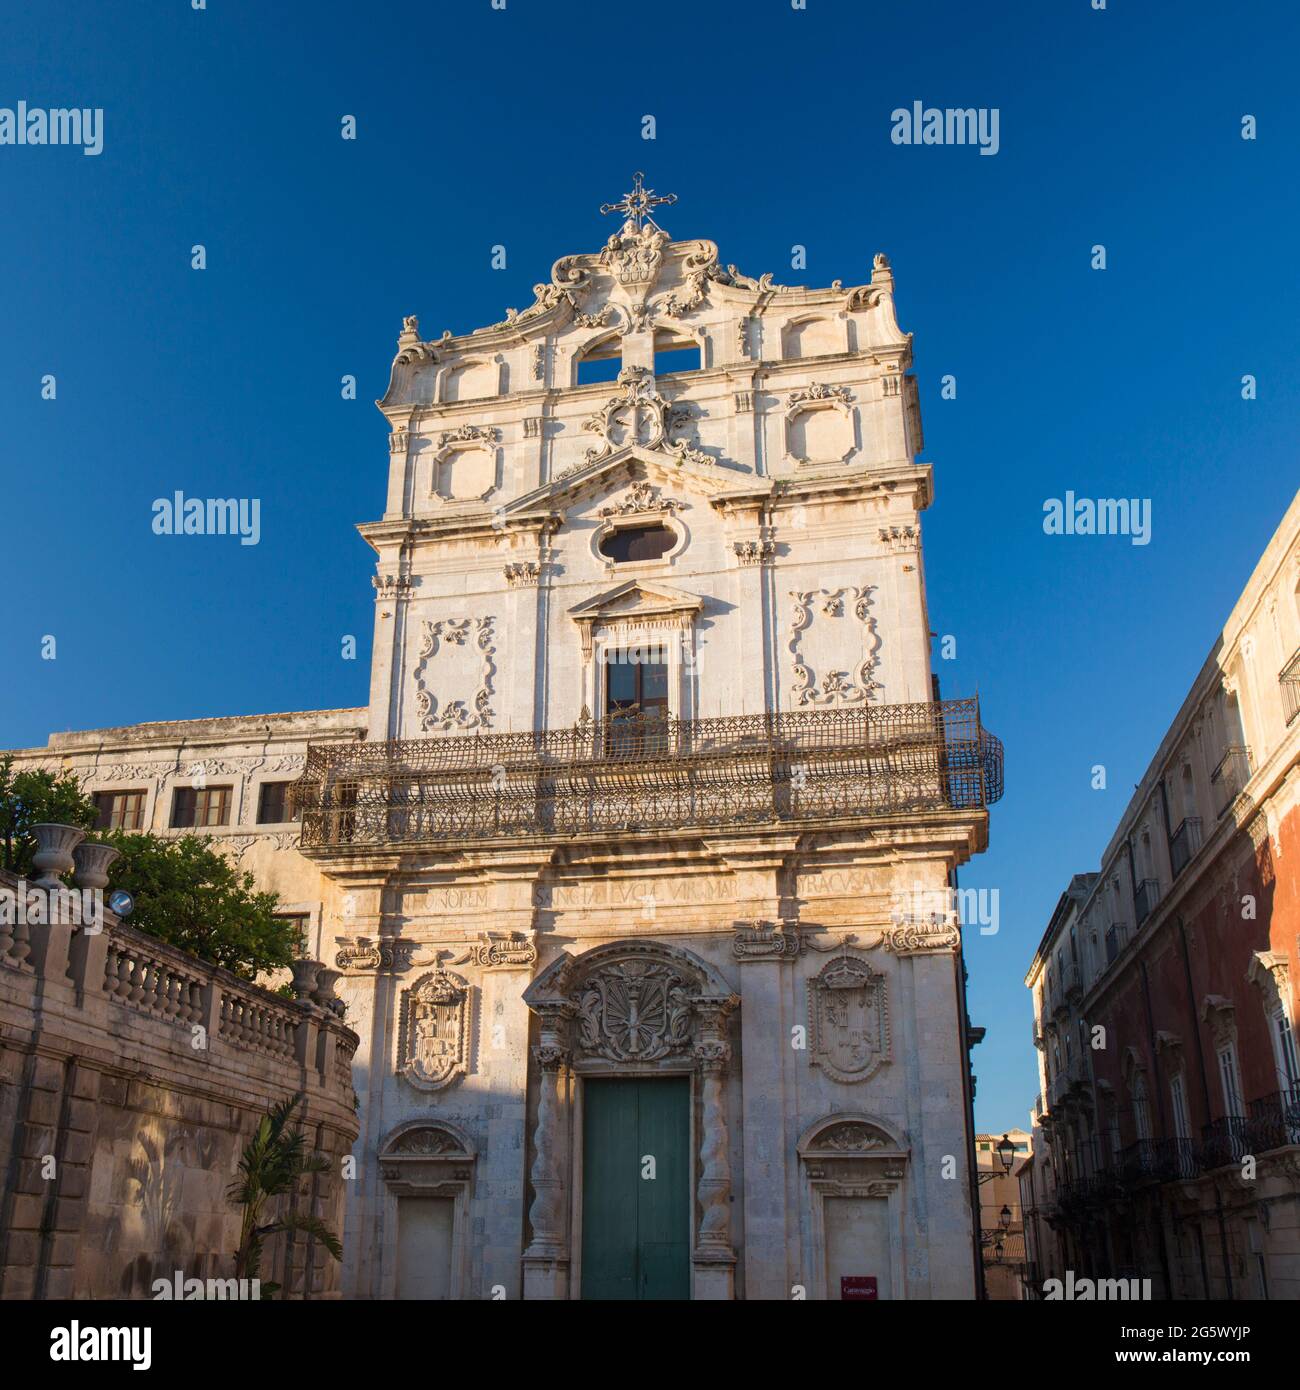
column 273, row 803
column 119, row 810
column 201, row 808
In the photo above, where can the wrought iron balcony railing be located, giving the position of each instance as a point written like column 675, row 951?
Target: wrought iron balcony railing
column 645, row 772
column 1225, row 1140
column 1185, row 842
column 1231, row 775
column 1114, row 941
column 1145, row 900
column 1289, row 679
column 1274, row 1121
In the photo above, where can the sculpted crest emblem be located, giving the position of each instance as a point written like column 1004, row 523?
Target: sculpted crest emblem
column 637, row 1011
column 433, row 1044
column 848, row 1016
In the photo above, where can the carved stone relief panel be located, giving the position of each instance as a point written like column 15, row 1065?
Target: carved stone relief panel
column 834, row 647
column 434, row 1030
column 819, row 425
column 465, row 464
column 454, row 674
column 634, row 1011
column 848, row 1019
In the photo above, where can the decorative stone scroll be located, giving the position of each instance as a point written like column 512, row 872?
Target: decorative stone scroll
column 921, row 936
column 848, row 1017
column 502, row 951
column 756, row 940
column 363, row 954
column 433, row 1032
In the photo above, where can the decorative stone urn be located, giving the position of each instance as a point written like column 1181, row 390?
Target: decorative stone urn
column 304, row 978
column 93, row 862
column 323, row 994
column 54, row 846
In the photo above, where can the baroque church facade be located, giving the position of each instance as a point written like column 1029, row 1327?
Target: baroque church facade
column 637, row 867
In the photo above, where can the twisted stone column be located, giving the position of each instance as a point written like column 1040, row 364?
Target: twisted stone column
column 547, row 1258
column 714, row 1257
column 547, row 1211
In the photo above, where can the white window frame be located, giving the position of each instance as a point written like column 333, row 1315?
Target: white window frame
column 1230, row 1080
column 1178, row 1097
column 1285, row 1057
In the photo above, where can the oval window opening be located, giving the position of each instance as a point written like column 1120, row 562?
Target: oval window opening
column 637, row 543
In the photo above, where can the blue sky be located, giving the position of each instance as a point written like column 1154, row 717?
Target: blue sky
column 479, row 126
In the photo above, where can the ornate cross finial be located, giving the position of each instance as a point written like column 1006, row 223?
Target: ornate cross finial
column 638, row 202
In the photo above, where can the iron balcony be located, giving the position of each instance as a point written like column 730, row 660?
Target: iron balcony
column 644, row 772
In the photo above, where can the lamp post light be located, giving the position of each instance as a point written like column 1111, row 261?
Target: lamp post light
column 1004, row 1218
column 1006, row 1153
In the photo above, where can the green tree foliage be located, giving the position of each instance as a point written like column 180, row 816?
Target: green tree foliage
column 274, row 1161
column 188, row 894
column 36, row 798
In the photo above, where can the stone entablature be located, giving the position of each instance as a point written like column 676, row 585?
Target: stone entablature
column 142, row 1071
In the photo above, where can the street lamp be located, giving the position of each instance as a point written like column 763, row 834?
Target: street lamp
column 1006, row 1153
column 1004, row 1218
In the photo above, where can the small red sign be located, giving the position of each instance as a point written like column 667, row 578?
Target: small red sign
column 858, row 1286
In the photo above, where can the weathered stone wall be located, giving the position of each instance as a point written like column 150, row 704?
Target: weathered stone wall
column 131, row 1076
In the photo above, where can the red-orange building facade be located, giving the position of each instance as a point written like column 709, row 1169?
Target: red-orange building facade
column 1167, row 1130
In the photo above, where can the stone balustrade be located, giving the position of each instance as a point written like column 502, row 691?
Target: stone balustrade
column 141, row 1070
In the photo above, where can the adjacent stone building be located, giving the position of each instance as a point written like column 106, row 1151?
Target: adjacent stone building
column 638, row 864
column 1164, row 996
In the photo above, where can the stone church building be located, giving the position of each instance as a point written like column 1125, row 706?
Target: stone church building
column 637, row 867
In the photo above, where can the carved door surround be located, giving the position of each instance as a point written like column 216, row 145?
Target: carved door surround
column 851, row 1154
column 426, row 1158
column 628, row 1008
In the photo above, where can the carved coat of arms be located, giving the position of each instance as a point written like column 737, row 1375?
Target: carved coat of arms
column 635, row 1011
column 433, row 1043
column 848, row 1017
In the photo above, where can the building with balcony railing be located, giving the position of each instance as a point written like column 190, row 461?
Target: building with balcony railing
column 1190, row 1012
column 653, row 769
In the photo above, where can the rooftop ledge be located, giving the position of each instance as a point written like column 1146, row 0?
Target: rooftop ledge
column 646, row 773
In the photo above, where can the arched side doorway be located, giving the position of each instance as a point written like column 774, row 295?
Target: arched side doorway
column 631, row 1062
column 854, row 1168
column 427, row 1169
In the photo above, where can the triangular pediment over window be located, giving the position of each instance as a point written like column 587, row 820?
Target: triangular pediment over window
column 635, row 604
column 636, row 598
column 629, row 463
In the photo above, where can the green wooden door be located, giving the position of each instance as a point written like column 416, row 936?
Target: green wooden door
column 636, row 1228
